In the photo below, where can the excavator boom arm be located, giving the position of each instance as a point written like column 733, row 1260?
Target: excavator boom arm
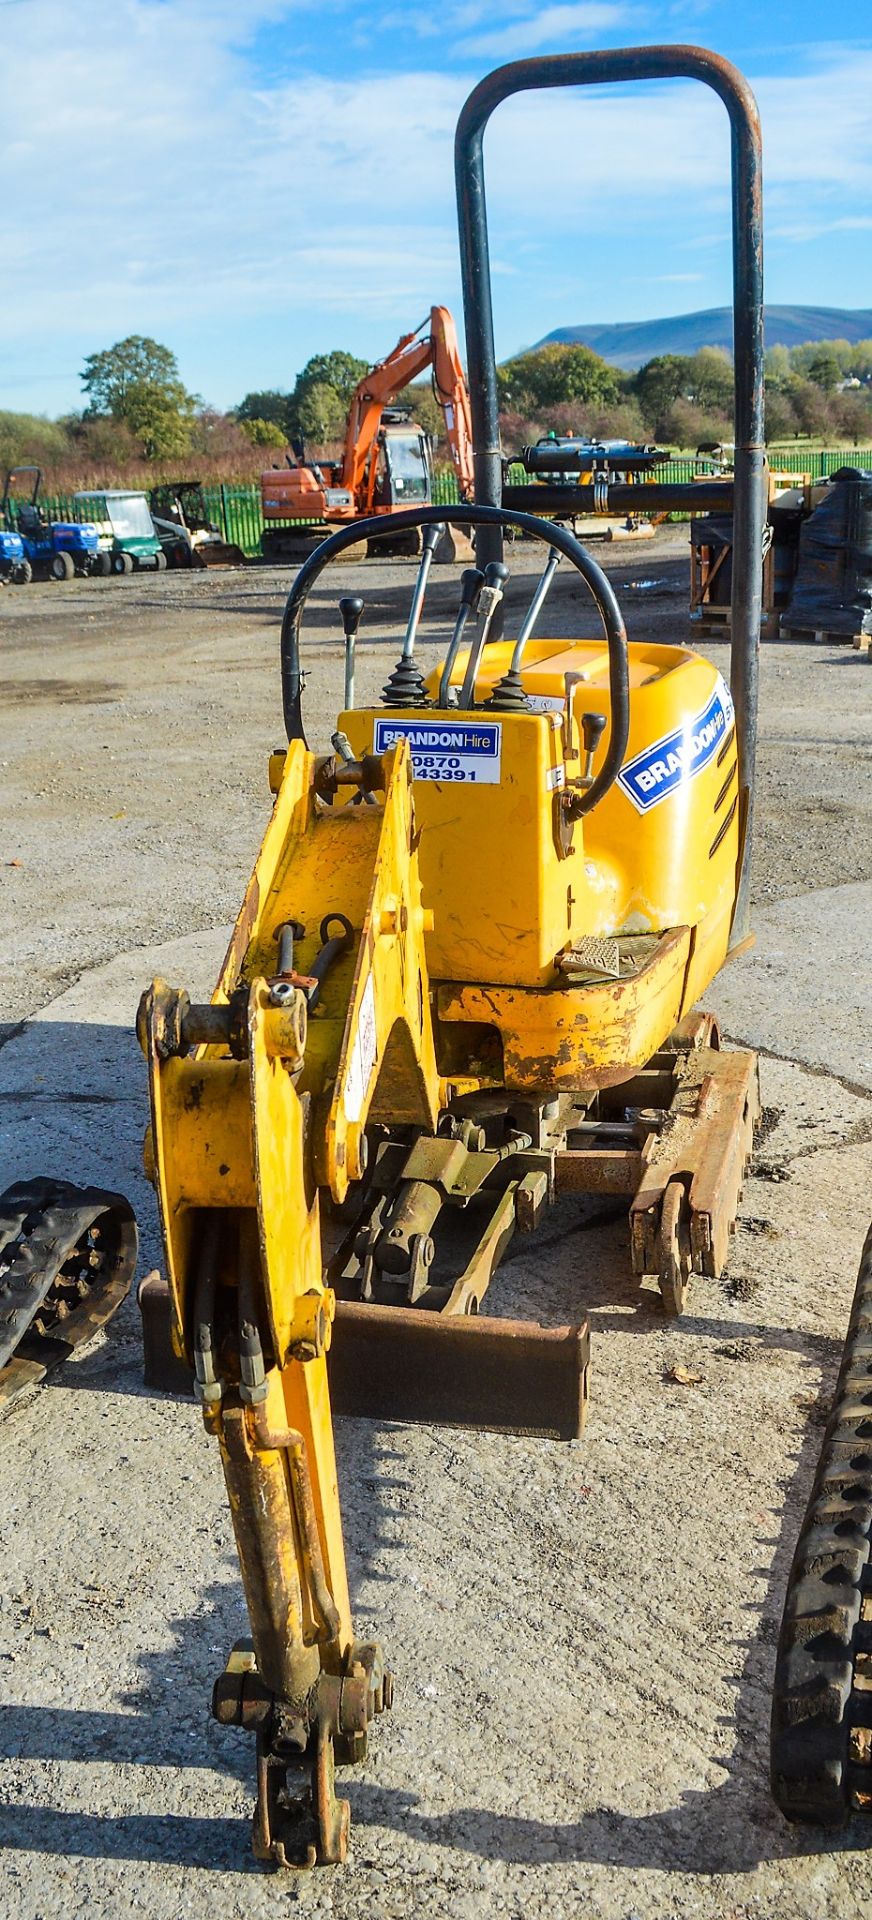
column 449, row 381
column 439, row 349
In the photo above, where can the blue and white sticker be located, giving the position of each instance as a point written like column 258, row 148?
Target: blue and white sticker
column 676, row 759
column 467, row 750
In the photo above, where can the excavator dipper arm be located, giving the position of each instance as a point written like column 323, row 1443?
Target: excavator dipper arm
column 255, row 1107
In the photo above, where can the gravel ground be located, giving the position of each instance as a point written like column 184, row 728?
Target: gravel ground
column 582, row 1636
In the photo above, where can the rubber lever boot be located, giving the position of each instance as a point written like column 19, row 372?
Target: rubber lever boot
column 350, row 608
column 471, row 583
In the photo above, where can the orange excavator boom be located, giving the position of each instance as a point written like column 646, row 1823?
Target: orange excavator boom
column 413, row 352
column 332, row 493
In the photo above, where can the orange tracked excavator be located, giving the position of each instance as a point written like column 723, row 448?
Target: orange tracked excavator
column 386, row 460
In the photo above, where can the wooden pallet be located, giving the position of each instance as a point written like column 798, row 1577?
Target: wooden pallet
column 825, row 637
column 714, row 623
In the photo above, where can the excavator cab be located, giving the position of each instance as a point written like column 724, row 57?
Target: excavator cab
column 404, row 466
column 461, row 985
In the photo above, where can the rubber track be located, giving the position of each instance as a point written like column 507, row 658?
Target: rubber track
column 56, row 1217
column 822, row 1708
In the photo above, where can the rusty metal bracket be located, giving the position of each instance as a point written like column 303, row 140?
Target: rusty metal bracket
column 298, row 1819
column 684, row 1211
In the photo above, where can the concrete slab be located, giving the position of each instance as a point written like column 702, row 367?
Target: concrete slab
column 73, row 1084
column 803, row 990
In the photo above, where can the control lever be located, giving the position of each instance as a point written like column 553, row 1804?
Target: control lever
column 432, row 537
column 405, row 686
column 496, row 574
column 570, row 682
column 471, row 583
column 508, row 695
column 593, row 726
column 571, row 799
column 350, row 608
column 534, row 609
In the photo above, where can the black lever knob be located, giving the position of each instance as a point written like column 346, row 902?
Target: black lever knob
column 496, row 573
column 350, row 608
column 593, row 726
column 432, row 537
column 471, row 583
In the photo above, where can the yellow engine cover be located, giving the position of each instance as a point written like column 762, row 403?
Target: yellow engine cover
column 658, row 852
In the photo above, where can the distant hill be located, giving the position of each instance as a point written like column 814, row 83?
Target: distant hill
column 630, row 343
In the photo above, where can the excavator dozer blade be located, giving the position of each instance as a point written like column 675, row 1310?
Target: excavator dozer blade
column 396, row 1363
column 507, row 1376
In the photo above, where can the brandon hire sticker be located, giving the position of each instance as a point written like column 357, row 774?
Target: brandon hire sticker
column 446, row 749
column 679, row 756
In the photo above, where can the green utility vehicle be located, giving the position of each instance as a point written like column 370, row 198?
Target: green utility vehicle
column 126, row 529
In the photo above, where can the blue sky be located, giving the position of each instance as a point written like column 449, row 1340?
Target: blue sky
column 253, row 181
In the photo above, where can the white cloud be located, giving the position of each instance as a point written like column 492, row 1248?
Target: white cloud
column 528, row 27
column 165, row 184
column 805, row 230
column 548, row 27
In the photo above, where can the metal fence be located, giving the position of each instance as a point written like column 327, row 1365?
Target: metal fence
column 817, row 462
column 236, row 511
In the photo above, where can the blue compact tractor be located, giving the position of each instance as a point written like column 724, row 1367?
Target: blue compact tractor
column 53, row 549
column 14, row 564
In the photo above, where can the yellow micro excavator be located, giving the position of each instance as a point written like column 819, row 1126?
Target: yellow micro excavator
column 462, row 983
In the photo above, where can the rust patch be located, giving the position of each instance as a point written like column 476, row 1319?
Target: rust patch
column 240, row 938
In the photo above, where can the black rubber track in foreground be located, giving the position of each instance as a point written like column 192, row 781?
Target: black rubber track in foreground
column 822, row 1706
column 67, row 1258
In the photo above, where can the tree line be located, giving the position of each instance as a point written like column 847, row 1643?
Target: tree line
column 821, row 391
column 139, row 423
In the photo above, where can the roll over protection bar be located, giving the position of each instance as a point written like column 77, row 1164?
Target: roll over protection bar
column 749, row 494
